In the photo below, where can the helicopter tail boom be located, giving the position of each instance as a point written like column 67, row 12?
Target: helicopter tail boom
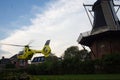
column 46, row 49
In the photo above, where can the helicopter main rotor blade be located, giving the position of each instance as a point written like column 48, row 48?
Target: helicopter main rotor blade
column 30, row 42
column 12, row 45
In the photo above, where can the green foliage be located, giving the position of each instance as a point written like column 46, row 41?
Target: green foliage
column 71, row 52
column 79, row 77
column 14, row 76
column 79, row 55
column 74, row 61
column 10, row 66
column 111, row 63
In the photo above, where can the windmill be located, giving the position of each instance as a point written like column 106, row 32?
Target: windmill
column 104, row 36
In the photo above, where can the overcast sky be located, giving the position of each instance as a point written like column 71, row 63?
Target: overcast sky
column 61, row 21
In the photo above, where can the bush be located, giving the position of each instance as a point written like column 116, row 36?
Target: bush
column 111, row 63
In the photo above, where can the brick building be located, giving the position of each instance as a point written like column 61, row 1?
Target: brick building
column 13, row 60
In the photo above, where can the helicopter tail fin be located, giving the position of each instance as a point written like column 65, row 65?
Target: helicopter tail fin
column 47, row 42
column 46, row 49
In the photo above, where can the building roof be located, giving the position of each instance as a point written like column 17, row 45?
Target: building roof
column 38, row 59
column 5, row 61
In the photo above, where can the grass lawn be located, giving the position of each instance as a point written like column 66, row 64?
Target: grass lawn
column 78, row 77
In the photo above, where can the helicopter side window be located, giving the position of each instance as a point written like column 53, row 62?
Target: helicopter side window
column 21, row 52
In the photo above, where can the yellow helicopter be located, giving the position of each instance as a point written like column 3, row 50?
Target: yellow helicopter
column 28, row 53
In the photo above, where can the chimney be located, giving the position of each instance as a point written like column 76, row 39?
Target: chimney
column 3, row 57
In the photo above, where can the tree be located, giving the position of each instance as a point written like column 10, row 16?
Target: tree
column 74, row 52
column 77, row 61
column 71, row 52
